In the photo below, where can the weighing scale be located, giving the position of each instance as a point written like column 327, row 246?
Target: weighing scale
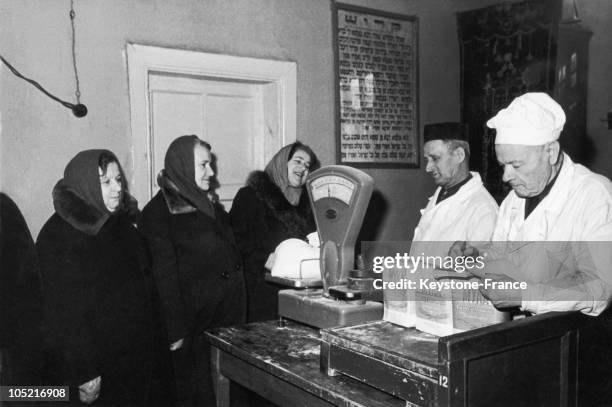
column 339, row 196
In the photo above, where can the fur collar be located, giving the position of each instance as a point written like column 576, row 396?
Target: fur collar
column 268, row 191
column 72, row 208
column 174, row 201
column 295, row 218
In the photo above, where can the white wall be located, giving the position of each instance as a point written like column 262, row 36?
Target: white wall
column 39, row 136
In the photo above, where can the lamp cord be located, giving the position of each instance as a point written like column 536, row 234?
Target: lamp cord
column 33, row 82
column 77, row 93
column 78, row 109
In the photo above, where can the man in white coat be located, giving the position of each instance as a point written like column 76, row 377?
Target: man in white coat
column 460, row 208
column 552, row 200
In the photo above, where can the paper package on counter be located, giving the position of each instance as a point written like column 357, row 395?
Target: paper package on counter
column 399, row 305
column 434, row 308
column 449, row 311
column 397, row 296
column 295, row 258
column 472, row 310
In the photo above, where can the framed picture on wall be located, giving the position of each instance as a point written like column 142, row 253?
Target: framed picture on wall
column 376, row 74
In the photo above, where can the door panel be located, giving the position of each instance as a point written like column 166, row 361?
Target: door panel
column 173, row 114
column 227, row 114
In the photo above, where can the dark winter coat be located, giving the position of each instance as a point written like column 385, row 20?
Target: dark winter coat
column 20, row 298
column 101, row 311
column 196, row 263
column 261, row 218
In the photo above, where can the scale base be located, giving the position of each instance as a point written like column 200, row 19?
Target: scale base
column 294, row 282
column 343, row 292
column 310, row 307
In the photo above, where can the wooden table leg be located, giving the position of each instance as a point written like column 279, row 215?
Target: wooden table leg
column 221, row 383
column 324, row 360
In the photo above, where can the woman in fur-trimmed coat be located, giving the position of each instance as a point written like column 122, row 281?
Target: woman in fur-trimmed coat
column 272, row 207
column 105, row 337
column 196, row 264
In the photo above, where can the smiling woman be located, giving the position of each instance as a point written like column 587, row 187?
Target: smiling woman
column 298, row 168
column 272, row 207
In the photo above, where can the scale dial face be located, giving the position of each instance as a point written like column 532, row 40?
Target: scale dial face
column 333, row 186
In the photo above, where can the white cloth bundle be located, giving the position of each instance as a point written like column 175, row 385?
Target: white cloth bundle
column 295, row 258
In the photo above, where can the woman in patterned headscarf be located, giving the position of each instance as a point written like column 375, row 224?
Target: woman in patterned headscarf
column 272, row 207
column 105, row 338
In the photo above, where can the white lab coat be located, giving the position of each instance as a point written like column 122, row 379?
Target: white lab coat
column 468, row 215
column 578, row 208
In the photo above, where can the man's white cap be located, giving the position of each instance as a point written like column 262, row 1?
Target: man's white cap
column 532, row 119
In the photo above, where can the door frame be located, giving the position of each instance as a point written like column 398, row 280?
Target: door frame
column 144, row 59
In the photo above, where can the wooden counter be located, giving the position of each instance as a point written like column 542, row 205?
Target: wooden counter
column 554, row 359
column 282, row 365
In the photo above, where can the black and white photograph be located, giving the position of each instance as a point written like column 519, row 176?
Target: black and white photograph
column 355, row 203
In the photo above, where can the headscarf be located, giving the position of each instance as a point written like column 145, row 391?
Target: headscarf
column 180, row 168
column 82, row 177
column 277, row 171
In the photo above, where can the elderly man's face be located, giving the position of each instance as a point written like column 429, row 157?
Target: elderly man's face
column 526, row 168
column 442, row 163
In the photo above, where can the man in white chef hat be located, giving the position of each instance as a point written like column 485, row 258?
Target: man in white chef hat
column 553, row 199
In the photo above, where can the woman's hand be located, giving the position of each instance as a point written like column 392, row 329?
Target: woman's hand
column 89, row 391
column 270, row 262
column 177, row 345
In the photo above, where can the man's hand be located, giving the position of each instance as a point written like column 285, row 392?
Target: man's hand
column 501, row 298
column 177, row 345
column 89, row 391
column 462, row 249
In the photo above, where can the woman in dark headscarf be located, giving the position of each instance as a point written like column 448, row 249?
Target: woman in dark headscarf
column 272, row 207
column 196, row 264
column 105, row 335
